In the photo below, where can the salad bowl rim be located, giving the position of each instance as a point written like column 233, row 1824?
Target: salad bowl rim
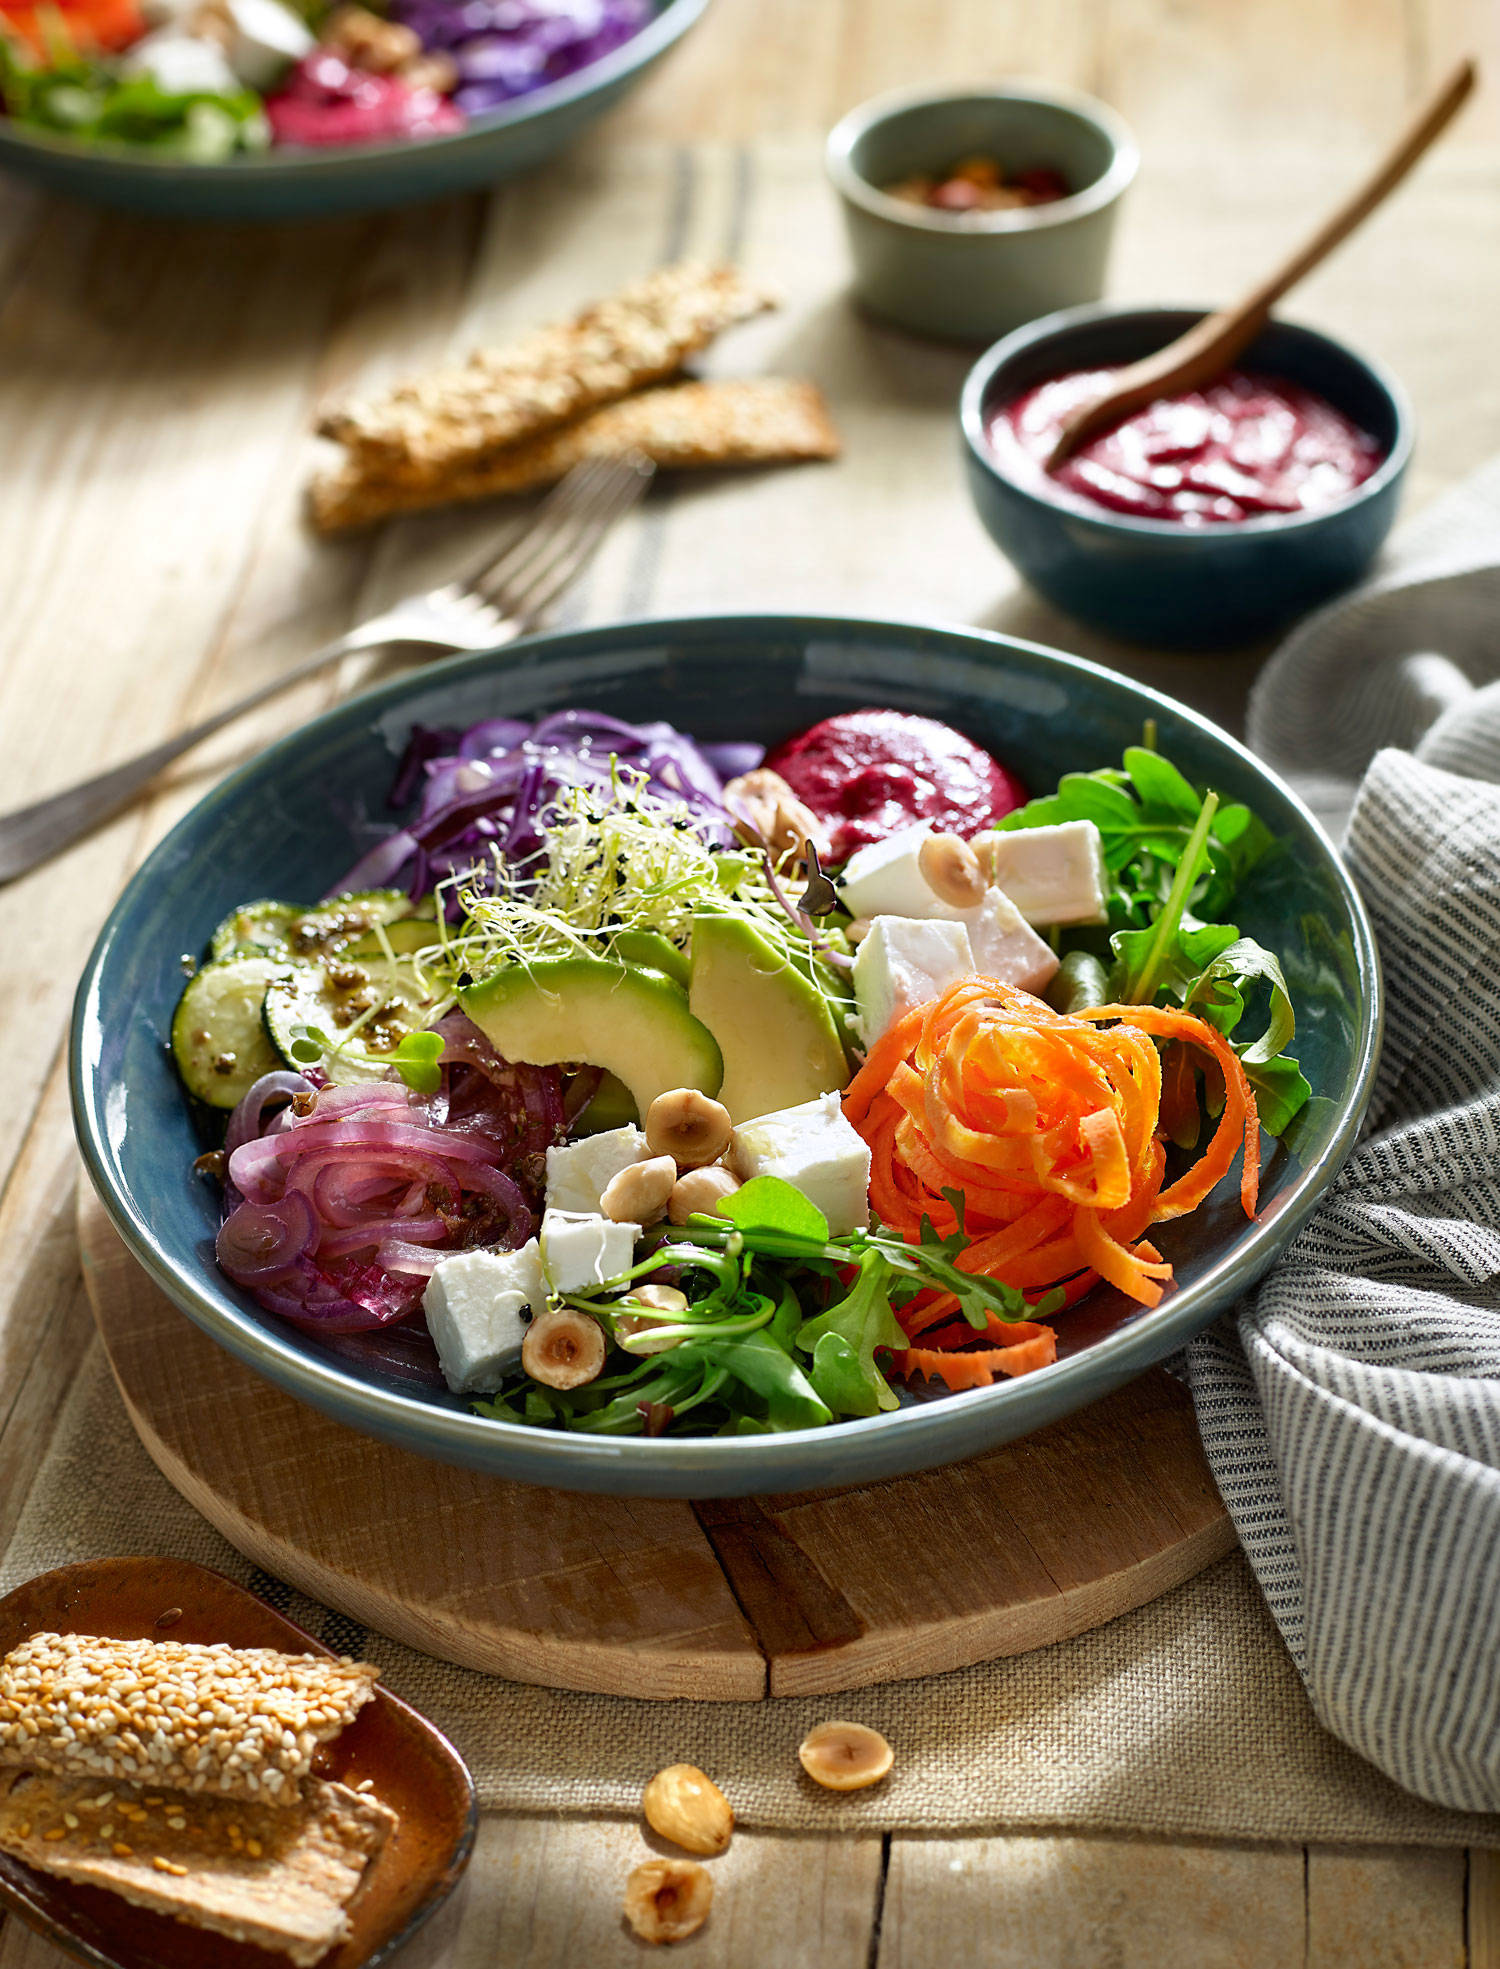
column 672, row 1465
column 671, row 21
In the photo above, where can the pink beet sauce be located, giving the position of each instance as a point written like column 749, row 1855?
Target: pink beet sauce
column 1245, row 447
column 868, row 773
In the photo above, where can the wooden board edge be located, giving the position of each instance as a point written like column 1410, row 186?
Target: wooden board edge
column 939, row 1647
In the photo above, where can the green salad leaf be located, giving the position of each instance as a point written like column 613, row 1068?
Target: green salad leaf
column 1178, row 858
column 80, row 97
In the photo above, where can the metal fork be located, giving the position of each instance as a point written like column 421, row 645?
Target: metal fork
column 492, row 601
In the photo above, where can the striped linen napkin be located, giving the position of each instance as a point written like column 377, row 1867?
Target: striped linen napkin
column 1351, row 1408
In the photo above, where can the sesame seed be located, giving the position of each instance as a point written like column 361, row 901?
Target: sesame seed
column 254, row 1848
column 56, row 1832
column 177, row 1824
column 23, row 1830
column 70, row 1820
column 106, row 1832
column 123, row 1851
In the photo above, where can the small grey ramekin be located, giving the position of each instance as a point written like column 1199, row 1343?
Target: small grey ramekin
column 969, row 277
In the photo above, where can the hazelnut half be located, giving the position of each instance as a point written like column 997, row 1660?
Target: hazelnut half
column 668, row 1900
column 845, row 1756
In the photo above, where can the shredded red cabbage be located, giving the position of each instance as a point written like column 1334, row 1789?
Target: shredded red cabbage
column 496, row 784
column 340, row 1206
column 508, row 48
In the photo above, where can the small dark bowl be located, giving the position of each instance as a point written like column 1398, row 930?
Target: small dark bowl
column 1150, row 581
column 409, row 1764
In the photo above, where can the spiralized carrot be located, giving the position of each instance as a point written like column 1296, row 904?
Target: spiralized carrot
column 1051, row 1127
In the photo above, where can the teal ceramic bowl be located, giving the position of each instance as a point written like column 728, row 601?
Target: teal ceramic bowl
column 1153, row 582
column 970, row 277
column 293, row 819
column 308, row 184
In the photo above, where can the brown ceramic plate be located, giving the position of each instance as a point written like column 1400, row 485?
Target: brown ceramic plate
column 411, row 1766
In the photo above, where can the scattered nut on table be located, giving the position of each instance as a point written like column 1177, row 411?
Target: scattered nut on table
column 668, row 1900
column 845, row 1756
column 684, row 1805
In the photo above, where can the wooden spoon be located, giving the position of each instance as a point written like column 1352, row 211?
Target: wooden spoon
column 1208, row 348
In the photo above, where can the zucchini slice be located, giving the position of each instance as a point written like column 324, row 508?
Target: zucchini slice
column 293, row 932
column 410, row 934
column 255, row 929
column 310, row 1007
column 218, row 1039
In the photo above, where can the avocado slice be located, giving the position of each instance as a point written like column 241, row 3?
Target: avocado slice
column 592, row 1011
column 775, row 1029
column 646, row 947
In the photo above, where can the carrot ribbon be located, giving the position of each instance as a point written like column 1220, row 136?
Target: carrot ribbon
column 1050, row 1125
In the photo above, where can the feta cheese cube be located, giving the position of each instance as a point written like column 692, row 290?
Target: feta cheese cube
column 581, row 1250
column 1004, row 944
column 904, row 961
column 1051, row 874
column 817, row 1151
column 476, row 1302
column 884, row 879
column 578, row 1173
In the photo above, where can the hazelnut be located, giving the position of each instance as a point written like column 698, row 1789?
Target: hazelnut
column 563, row 1349
column 668, row 1900
column 687, row 1126
column 771, row 815
column 639, row 1193
column 950, row 868
column 687, row 1807
column 699, row 1193
column 845, row 1756
column 639, row 1335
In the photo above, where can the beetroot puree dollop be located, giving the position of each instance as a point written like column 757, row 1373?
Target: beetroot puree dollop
column 325, row 101
column 1244, row 447
column 868, row 773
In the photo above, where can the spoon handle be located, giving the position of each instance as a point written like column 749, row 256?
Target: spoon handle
column 1211, row 345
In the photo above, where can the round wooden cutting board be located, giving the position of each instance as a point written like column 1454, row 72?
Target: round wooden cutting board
column 728, row 1600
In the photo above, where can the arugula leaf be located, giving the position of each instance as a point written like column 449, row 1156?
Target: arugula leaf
column 767, row 1370
column 767, row 1203
column 1178, row 858
column 839, row 1377
column 1282, row 1091
column 863, row 1320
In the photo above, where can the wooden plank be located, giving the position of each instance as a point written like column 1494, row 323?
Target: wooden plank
column 1385, row 1908
column 1018, row 1902
column 547, row 1894
column 22, row 1948
column 1483, row 1933
column 1241, row 80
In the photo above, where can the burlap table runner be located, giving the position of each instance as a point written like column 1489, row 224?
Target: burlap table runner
column 1186, row 1717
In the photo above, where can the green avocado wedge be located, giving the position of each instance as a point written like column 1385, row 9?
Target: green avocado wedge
column 591, row 1011
column 775, row 1029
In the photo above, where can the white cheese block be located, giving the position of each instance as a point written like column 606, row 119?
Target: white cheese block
column 904, row 961
column 578, row 1173
column 816, row 1150
column 581, row 1250
column 181, row 64
column 265, row 38
column 1051, row 874
column 884, row 879
column 1004, row 944
column 476, row 1304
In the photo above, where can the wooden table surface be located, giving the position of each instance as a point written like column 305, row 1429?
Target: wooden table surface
column 155, row 387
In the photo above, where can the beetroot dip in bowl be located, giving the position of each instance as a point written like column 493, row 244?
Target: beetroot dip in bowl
column 1205, row 521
